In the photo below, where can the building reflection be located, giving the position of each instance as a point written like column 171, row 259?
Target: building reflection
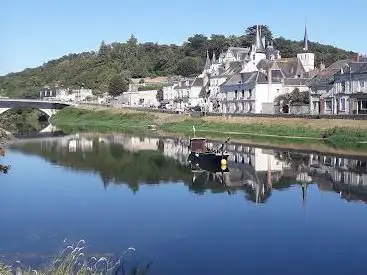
column 256, row 172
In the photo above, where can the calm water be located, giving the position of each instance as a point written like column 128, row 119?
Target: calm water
column 279, row 212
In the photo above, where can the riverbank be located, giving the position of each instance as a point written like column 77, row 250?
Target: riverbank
column 340, row 134
column 4, row 136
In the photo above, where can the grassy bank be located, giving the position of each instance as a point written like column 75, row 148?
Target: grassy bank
column 348, row 134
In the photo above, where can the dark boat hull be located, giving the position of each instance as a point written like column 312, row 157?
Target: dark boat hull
column 207, row 161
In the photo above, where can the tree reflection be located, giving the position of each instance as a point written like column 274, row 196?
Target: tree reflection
column 135, row 162
column 3, row 168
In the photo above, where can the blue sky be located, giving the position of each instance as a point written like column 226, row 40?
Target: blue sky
column 35, row 31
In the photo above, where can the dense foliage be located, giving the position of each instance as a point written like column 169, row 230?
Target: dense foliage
column 118, row 84
column 96, row 69
column 296, row 96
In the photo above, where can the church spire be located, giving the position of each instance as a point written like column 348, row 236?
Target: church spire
column 214, row 59
column 207, row 62
column 258, row 42
column 305, row 40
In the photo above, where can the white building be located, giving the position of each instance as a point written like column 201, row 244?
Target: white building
column 65, row 94
column 140, row 98
column 265, row 76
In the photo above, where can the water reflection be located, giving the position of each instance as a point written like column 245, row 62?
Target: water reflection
column 121, row 159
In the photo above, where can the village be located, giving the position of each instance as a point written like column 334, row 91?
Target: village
column 254, row 80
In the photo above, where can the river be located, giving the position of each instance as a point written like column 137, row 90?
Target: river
column 277, row 212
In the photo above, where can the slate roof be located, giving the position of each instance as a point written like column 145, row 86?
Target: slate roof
column 296, row 81
column 238, row 50
column 290, row 67
column 243, row 81
column 234, row 67
column 235, row 79
column 198, row 82
column 326, row 77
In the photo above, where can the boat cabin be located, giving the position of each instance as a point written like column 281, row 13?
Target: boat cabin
column 198, row 145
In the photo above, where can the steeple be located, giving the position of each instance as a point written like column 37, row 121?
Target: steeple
column 214, row 59
column 207, row 62
column 305, row 40
column 258, row 42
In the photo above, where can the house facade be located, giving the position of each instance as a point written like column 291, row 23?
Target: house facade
column 61, row 93
column 140, row 98
column 340, row 89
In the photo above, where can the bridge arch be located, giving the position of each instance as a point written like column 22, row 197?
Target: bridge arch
column 47, row 107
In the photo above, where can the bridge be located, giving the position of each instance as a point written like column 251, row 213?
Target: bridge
column 47, row 107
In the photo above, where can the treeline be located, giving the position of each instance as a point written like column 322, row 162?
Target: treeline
column 133, row 59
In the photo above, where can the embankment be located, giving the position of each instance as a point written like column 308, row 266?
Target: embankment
column 333, row 133
column 4, row 136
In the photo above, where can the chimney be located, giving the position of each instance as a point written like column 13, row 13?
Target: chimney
column 357, row 57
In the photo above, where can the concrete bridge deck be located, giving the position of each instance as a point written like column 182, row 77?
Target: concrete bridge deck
column 47, row 107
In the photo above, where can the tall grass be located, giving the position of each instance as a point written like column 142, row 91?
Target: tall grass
column 72, row 260
column 104, row 119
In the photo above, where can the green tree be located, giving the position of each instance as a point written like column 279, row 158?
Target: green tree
column 217, row 43
column 265, row 31
column 103, row 51
column 196, row 45
column 118, row 84
column 189, row 66
column 159, row 95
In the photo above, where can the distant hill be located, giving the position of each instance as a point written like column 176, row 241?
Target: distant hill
column 95, row 69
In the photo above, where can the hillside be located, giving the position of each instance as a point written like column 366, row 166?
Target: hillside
column 132, row 59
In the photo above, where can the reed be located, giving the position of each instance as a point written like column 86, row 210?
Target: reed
column 72, row 260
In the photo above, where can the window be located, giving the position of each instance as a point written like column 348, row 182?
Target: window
column 328, row 105
column 253, row 57
column 342, row 104
column 343, row 87
column 235, row 94
column 364, row 104
column 243, row 93
column 361, row 83
column 249, row 93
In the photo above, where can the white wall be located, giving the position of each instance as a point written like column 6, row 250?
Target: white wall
column 307, row 60
column 262, row 95
column 133, row 98
column 195, row 99
column 265, row 162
